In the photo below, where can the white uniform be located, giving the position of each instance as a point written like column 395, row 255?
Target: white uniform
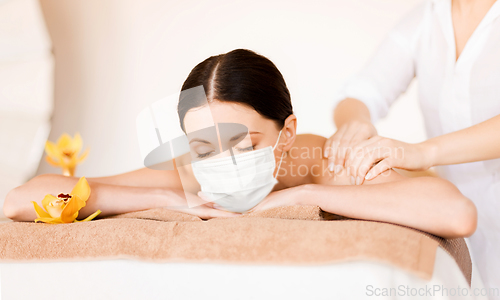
column 453, row 95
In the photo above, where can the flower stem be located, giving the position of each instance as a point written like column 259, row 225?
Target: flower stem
column 68, row 171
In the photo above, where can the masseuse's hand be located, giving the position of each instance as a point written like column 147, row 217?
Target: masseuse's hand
column 385, row 153
column 347, row 137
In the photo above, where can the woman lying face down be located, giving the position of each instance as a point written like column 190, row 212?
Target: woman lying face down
column 245, row 155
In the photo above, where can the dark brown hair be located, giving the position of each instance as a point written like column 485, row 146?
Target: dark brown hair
column 240, row 76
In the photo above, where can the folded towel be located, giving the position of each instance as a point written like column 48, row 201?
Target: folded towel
column 283, row 235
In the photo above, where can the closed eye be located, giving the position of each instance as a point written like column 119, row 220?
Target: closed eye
column 246, row 149
column 202, row 155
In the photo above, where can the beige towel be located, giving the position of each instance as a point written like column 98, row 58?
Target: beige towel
column 284, row 235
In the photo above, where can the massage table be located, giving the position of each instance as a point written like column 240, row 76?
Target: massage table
column 288, row 259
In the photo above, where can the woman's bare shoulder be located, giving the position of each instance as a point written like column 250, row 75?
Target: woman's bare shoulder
column 307, row 157
column 309, row 139
column 308, row 152
column 307, row 148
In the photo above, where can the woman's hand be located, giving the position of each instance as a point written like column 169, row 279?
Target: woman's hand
column 372, row 157
column 346, row 138
column 195, row 205
column 286, row 197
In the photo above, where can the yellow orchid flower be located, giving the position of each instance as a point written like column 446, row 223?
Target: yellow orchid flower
column 65, row 207
column 65, row 152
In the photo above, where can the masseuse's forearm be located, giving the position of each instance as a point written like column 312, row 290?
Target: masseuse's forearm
column 110, row 199
column 475, row 143
column 430, row 204
column 349, row 110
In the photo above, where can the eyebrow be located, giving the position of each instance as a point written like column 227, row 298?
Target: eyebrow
column 199, row 140
column 234, row 138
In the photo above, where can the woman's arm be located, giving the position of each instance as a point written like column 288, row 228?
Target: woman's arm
column 144, row 177
column 132, row 191
column 430, row 204
column 476, row 143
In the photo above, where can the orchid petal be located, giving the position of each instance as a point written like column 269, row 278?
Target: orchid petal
column 83, row 156
column 55, row 210
column 81, row 189
column 64, row 141
column 81, row 203
column 70, row 211
column 52, row 150
column 47, row 199
column 40, row 213
column 77, row 143
column 52, row 161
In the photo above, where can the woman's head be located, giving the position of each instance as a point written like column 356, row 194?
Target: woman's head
column 241, row 76
column 241, row 87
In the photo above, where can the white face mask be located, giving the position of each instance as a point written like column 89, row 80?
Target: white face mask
column 241, row 186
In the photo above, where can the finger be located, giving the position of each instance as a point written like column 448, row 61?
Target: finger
column 192, row 200
column 327, row 146
column 366, row 164
column 354, row 159
column 379, row 168
column 333, row 154
column 329, row 151
column 334, row 147
column 218, row 213
column 353, row 156
column 205, row 199
column 359, row 138
column 253, row 209
column 264, row 203
column 210, row 205
column 352, row 162
column 344, row 146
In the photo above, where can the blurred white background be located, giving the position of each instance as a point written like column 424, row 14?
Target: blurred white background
column 115, row 57
column 26, row 91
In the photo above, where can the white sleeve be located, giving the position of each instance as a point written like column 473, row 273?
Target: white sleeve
column 389, row 72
